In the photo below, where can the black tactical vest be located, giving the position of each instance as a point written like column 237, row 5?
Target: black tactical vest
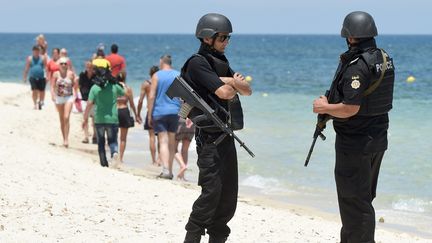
column 380, row 101
column 234, row 117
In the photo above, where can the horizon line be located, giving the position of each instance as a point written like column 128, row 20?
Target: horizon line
column 173, row 33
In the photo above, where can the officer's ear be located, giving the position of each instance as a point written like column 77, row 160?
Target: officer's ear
column 208, row 40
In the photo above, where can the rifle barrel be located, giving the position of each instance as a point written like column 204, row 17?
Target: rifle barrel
column 310, row 151
column 242, row 144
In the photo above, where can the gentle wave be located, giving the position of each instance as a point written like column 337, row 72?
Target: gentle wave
column 411, row 205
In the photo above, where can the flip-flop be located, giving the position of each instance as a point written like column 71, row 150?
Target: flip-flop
column 86, row 140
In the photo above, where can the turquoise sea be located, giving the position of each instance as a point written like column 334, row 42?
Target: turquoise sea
column 288, row 72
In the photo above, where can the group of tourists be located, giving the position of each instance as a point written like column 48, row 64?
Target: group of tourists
column 102, row 89
column 358, row 102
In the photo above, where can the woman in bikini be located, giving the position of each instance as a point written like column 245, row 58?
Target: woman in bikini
column 125, row 119
column 63, row 88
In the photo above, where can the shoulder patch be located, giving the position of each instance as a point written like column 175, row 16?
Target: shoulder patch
column 355, row 83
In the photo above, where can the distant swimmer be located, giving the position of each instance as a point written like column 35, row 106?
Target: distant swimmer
column 359, row 100
column 36, row 65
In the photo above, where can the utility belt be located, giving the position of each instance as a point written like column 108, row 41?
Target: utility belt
column 202, row 136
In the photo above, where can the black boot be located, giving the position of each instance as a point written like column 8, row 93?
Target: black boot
column 217, row 239
column 192, row 238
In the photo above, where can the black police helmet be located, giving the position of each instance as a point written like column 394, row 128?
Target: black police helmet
column 359, row 24
column 211, row 24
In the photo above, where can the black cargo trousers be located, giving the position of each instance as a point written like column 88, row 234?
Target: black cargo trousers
column 218, row 178
column 356, row 175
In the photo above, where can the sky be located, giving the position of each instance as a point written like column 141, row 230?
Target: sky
column 181, row 16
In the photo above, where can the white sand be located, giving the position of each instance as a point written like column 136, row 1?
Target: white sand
column 49, row 193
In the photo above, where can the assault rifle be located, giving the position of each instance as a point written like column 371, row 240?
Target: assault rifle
column 180, row 88
column 322, row 119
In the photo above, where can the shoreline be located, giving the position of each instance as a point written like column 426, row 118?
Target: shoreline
column 319, row 204
column 166, row 204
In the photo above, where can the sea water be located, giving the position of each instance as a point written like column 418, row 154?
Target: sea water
column 288, row 72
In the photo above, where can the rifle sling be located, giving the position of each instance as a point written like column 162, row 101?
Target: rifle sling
column 375, row 84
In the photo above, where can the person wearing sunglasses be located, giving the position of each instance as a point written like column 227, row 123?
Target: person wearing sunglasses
column 64, row 53
column 62, row 93
column 208, row 72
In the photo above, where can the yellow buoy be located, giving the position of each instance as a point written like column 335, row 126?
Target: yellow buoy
column 264, row 94
column 410, row 79
column 248, row 78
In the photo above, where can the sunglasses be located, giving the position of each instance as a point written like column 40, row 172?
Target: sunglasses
column 223, row 38
column 63, row 63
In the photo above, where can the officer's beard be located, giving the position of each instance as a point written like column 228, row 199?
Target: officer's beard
column 211, row 49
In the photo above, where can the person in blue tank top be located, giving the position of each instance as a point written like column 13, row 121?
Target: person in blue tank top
column 163, row 113
column 36, row 66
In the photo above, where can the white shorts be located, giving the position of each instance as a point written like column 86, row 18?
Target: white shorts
column 60, row 100
column 84, row 105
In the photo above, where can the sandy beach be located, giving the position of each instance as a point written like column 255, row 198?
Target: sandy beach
column 52, row 194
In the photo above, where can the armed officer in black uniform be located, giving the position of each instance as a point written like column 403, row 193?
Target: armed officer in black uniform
column 360, row 98
column 209, row 74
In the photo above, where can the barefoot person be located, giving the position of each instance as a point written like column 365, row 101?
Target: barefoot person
column 163, row 114
column 185, row 133
column 36, row 65
column 62, row 93
column 125, row 119
column 145, row 91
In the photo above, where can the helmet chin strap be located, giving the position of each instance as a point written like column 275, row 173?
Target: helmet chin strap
column 348, row 44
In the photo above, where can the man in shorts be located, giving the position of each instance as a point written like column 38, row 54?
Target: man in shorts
column 36, row 65
column 163, row 113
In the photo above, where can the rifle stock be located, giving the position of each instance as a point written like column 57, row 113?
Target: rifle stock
column 180, row 88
